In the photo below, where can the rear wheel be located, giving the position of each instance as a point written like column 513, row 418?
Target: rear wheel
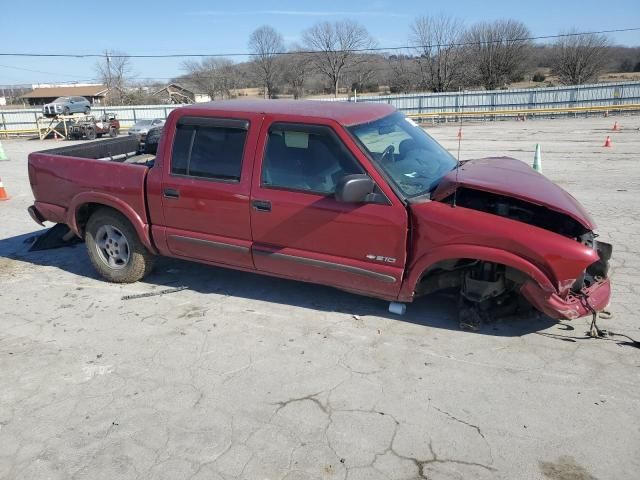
column 113, row 132
column 90, row 133
column 115, row 249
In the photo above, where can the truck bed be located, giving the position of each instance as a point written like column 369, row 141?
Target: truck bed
column 115, row 150
column 62, row 178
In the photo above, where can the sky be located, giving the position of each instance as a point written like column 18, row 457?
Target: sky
column 198, row 26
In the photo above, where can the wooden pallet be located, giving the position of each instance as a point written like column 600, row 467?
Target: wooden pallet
column 51, row 125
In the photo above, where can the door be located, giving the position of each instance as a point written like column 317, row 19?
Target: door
column 205, row 189
column 302, row 232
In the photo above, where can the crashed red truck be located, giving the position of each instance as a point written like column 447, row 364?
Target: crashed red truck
column 354, row 196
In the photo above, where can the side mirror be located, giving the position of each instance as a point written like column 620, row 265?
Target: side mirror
column 354, row 188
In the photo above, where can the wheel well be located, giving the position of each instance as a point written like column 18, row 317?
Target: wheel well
column 449, row 274
column 85, row 211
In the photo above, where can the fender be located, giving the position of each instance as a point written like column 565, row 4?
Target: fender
column 488, row 254
column 140, row 226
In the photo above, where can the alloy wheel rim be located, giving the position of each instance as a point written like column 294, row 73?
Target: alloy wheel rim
column 112, row 247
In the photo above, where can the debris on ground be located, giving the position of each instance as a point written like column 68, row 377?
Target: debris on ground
column 57, row 236
column 153, row 294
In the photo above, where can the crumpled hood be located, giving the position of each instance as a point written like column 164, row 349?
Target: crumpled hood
column 514, row 178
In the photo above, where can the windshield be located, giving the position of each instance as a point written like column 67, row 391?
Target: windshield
column 61, row 100
column 413, row 160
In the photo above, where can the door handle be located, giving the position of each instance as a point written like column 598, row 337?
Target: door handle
column 171, row 193
column 261, row 205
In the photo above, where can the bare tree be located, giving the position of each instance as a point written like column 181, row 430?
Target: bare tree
column 214, row 76
column 578, row 59
column 402, row 74
column 498, row 51
column 114, row 71
column 335, row 45
column 266, row 43
column 436, row 41
column 363, row 73
column 296, row 65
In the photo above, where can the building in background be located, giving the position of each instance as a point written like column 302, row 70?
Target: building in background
column 179, row 94
column 42, row 94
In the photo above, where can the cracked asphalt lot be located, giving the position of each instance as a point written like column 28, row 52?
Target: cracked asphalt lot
column 246, row 377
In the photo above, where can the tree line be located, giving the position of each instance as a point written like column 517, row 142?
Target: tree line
column 443, row 54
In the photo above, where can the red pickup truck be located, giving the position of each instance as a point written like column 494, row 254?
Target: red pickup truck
column 355, row 196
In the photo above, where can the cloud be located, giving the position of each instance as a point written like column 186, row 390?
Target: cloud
column 301, row 13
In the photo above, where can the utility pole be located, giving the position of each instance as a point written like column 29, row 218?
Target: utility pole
column 109, row 86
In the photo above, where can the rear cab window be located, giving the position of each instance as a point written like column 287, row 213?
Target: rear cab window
column 209, row 148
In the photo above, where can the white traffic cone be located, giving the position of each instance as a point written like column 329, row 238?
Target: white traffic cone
column 3, row 156
column 537, row 159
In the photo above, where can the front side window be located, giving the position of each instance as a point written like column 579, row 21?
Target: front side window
column 306, row 157
column 208, row 151
column 413, row 160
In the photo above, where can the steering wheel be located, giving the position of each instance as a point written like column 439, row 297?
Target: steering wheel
column 388, row 152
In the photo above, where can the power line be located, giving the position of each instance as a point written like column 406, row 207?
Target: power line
column 354, row 50
column 37, row 71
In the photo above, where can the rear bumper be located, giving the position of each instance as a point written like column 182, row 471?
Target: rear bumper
column 35, row 215
column 41, row 212
column 596, row 297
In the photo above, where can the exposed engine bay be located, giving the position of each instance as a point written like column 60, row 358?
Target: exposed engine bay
column 488, row 290
column 518, row 210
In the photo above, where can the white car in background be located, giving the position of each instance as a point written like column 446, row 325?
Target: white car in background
column 142, row 127
column 67, row 106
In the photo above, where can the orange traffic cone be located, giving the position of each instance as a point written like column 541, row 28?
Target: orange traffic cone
column 460, row 133
column 607, row 142
column 615, row 127
column 3, row 192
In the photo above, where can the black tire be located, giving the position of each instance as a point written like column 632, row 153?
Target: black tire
column 151, row 142
column 99, row 135
column 139, row 262
column 113, row 132
column 90, row 133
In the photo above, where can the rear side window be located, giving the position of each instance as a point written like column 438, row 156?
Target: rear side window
column 207, row 150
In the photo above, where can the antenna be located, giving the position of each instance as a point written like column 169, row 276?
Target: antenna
column 455, row 192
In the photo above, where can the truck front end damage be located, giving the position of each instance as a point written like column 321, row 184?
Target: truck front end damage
column 510, row 233
column 589, row 293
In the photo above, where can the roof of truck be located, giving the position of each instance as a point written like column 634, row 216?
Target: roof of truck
column 346, row 113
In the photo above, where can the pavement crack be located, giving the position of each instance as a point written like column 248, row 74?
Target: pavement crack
column 475, row 427
column 311, row 398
